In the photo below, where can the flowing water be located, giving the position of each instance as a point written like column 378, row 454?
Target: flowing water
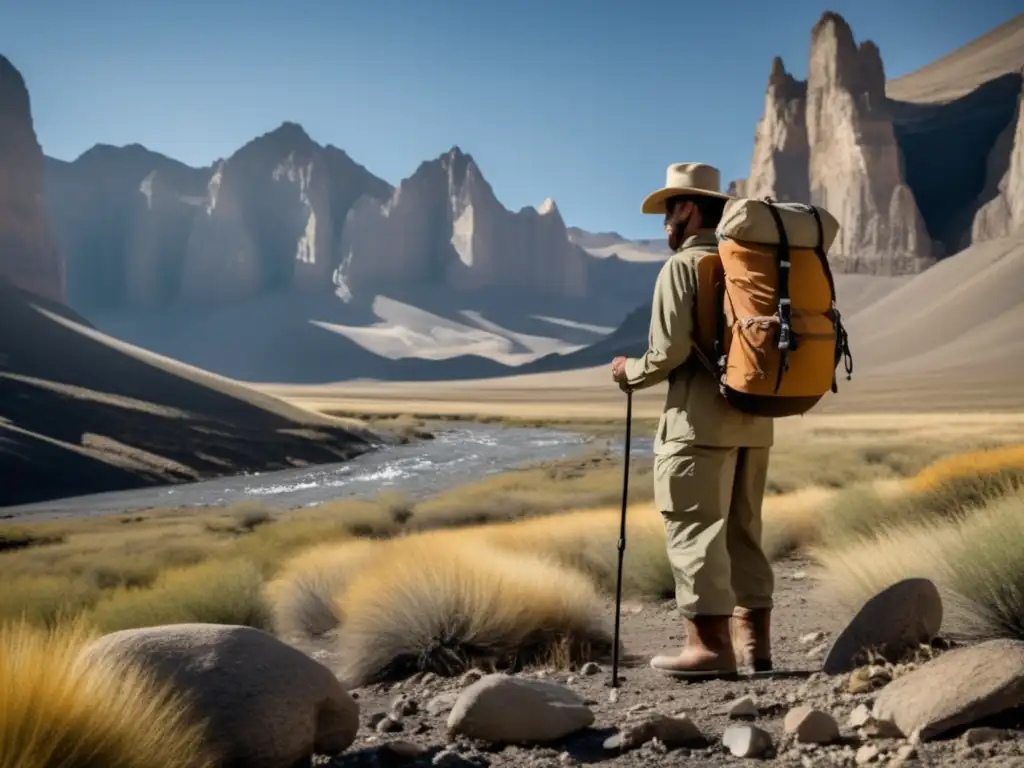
column 454, row 457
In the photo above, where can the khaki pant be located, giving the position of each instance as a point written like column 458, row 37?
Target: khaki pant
column 710, row 499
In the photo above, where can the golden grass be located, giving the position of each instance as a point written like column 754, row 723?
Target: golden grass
column 58, row 713
column 72, row 566
column 862, row 512
column 586, row 542
column 302, row 595
column 217, row 592
column 972, row 555
column 1002, row 460
column 429, row 602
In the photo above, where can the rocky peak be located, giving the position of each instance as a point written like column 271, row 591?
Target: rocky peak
column 830, row 141
column 549, row 208
column 29, row 258
column 872, row 73
column 779, row 166
column 782, row 86
column 444, row 225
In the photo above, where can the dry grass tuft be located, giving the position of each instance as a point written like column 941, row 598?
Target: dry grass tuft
column 1006, row 461
column 56, row 712
column 586, row 542
column 302, row 596
column 215, row 592
column 860, row 513
column 973, row 557
column 593, row 480
column 443, row 603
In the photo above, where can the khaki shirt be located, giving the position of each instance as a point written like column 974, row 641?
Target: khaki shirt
column 695, row 412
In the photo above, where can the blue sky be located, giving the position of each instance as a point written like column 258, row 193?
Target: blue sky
column 586, row 102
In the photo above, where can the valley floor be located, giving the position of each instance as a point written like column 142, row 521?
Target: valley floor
column 653, row 627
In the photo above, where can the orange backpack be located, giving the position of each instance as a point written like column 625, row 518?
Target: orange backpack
column 768, row 327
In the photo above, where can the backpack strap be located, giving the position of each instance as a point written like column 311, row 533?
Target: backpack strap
column 783, row 264
column 842, row 339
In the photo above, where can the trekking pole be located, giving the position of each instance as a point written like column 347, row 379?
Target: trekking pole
column 622, row 540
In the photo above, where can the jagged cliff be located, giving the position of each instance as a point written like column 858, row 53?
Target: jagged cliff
column 1001, row 212
column 284, row 213
column 29, row 258
column 444, row 225
column 912, row 179
column 140, row 229
column 832, row 141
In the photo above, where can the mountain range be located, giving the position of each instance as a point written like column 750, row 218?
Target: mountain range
column 289, row 261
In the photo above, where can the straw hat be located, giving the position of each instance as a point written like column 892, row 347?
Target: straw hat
column 685, row 179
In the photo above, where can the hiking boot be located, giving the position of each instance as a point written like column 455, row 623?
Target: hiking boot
column 751, row 637
column 708, row 653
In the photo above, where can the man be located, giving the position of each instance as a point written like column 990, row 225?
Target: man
column 710, row 460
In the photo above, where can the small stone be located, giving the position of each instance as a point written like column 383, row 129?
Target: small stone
column 402, row 706
column 798, row 575
column 428, row 678
column 860, row 716
column 447, row 758
column 812, row 638
column 441, row 703
column 638, row 707
column 983, row 735
column 879, row 676
column 817, row 651
column 590, row 668
column 566, row 759
column 375, row 718
column 388, row 724
column 860, row 681
column 881, row 729
column 570, row 679
column 743, row 707
column 746, row 741
column 672, row 732
column 811, row 726
column 613, row 696
column 470, row 677
column 866, row 754
column 503, row 709
column 906, row 752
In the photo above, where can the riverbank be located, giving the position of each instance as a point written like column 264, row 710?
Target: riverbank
column 91, row 550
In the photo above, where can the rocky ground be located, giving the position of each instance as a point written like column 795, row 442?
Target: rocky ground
column 405, row 723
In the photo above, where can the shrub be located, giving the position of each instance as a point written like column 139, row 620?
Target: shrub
column 973, row 557
column 985, row 570
column 860, row 513
column 1007, row 461
column 444, row 603
column 586, row 541
column 302, row 596
column 227, row 592
column 58, row 713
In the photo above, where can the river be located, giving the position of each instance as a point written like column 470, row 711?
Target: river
column 455, row 456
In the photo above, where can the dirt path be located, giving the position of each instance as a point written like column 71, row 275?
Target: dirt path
column 648, row 629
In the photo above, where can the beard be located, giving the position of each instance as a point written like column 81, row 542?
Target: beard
column 676, row 235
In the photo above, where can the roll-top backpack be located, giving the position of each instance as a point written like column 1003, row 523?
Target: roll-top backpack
column 768, row 327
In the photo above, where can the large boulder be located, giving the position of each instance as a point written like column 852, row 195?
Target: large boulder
column 899, row 618
column 958, row 688
column 266, row 704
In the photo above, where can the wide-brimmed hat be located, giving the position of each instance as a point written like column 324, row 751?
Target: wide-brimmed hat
column 685, row 179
